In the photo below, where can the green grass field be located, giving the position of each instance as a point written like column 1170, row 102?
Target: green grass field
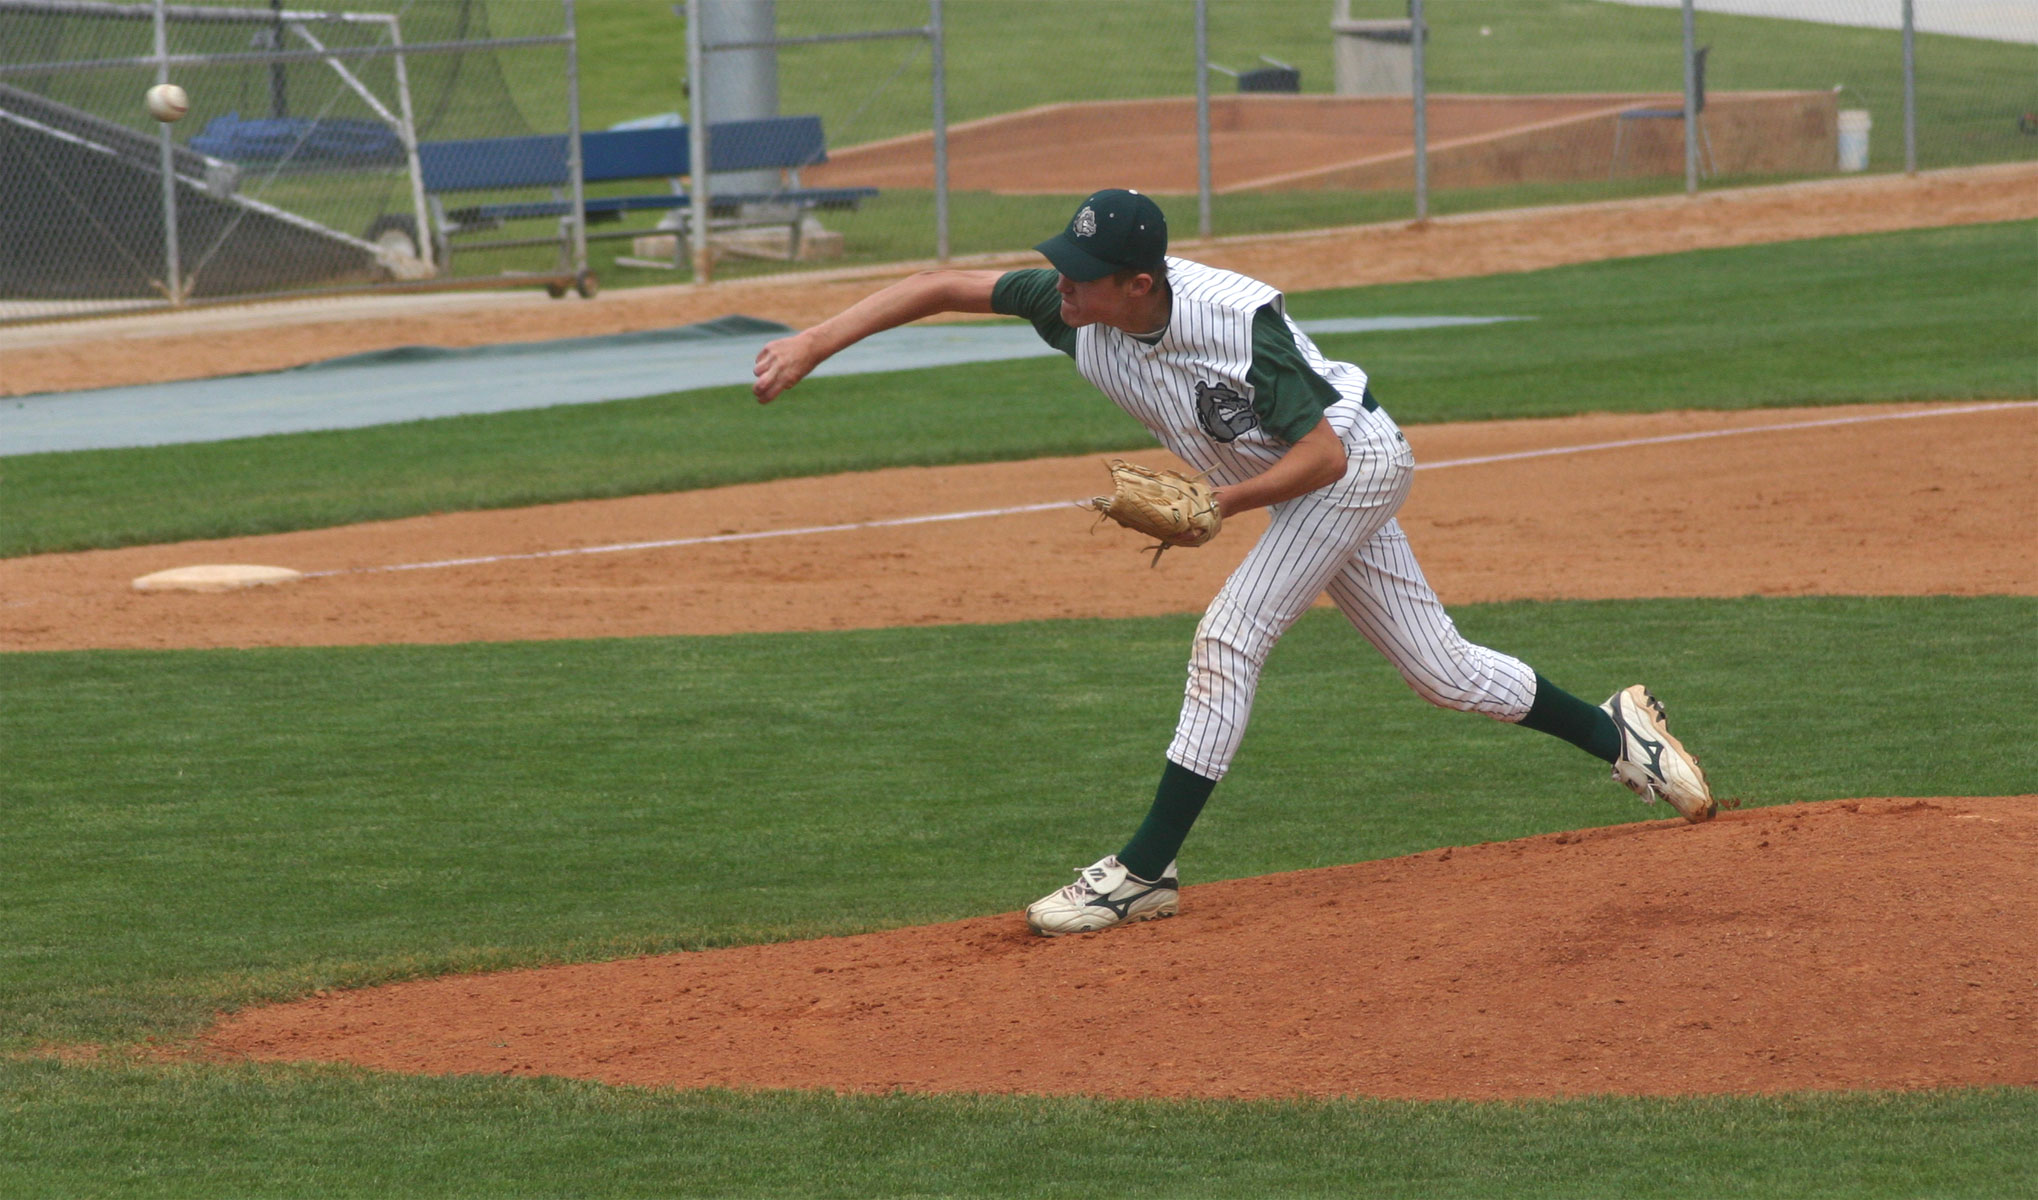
column 192, row 831
column 120, row 1131
column 1923, row 315
column 200, row 830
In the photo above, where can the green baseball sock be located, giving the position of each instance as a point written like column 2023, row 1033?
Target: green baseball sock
column 1176, row 804
column 1563, row 715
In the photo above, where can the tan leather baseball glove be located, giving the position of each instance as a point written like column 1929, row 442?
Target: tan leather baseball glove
column 1168, row 506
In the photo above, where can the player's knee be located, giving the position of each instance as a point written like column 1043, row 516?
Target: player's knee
column 1446, row 694
column 1460, row 682
column 1229, row 634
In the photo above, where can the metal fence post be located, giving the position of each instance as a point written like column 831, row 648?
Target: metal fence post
column 575, row 171
column 421, row 214
column 937, row 34
column 173, row 270
column 1690, row 103
column 1419, row 35
column 697, row 145
column 1910, row 91
column 1203, row 118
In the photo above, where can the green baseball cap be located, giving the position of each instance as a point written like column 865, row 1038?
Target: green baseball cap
column 1112, row 230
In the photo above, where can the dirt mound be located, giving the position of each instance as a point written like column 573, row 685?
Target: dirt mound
column 1851, row 944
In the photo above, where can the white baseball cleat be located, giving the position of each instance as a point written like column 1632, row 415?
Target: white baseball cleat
column 1104, row 894
column 1653, row 764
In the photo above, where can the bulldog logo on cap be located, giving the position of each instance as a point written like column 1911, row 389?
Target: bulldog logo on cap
column 1114, row 230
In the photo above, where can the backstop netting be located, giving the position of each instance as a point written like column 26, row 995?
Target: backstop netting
column 296, row 168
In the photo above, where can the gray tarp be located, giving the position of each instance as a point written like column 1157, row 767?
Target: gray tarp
column 419, row 382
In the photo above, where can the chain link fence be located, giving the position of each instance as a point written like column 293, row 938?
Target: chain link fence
column 1311, row 119
column 317, row 155
column 784, row 86
column 297, row 167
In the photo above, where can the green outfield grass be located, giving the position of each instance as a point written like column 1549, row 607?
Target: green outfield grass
column 121, row 1131
column 1935, row 314
column 201, row 830
column 188, row 830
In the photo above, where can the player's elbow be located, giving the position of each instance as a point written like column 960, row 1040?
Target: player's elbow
column 1328, row 463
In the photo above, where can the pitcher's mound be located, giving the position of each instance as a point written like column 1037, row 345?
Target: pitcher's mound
column 1853, row 944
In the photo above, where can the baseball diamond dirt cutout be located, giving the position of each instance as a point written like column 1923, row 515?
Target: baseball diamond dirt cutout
column 1878, row 943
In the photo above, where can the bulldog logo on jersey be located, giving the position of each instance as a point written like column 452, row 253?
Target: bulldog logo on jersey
column 1223, row 413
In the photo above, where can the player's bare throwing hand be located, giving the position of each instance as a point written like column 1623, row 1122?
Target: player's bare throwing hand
column 1211, row 364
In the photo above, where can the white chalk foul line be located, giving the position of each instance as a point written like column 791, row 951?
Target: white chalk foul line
column 976, row 514
column 619, row 547
column 1720, row 433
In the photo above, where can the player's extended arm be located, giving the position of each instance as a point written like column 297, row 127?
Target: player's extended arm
column 785, row 362
column 1317, row 460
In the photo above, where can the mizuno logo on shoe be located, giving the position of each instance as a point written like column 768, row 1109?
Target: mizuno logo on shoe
column 1654, row 749
column 1632, row 738
column 1123, row 904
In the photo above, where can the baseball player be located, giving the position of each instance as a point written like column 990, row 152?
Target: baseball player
column 1209, row 361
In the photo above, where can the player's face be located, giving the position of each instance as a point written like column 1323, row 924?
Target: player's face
column 1103, row 301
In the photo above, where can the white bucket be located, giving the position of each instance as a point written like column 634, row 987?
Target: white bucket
column 1853, row 139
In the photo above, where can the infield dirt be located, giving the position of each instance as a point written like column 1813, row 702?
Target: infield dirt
column 1916, row 505
column 1857, row 944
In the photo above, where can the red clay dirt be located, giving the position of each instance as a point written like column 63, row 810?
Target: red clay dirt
column 1916, row 505
column 1856, row 944
column 1869, row 944
column 1269, row 142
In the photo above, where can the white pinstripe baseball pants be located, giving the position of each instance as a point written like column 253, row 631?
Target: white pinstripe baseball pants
column 1344, row 540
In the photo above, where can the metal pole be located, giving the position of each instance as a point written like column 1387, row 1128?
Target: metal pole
column 739, row 72
column 575, row 175
column 1203, row 118
column 279, row 89
column 173, row 269
column 1910, row 91
column 1419, row 35
column 1690, row 103
column 697, row 145
column 938, row 38
column 407, row 129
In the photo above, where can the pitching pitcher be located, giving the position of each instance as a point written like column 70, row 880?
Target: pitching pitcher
column 1210, row 362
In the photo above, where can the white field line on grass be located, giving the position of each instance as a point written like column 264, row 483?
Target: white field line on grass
column 976, row 514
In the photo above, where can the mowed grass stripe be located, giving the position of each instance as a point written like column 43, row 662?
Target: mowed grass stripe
column 1909, row 316
column 121, row 1130
column 188, row 831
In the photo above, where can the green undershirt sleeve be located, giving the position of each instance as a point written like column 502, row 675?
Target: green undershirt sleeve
column 1287, row 395
column 1036, row 296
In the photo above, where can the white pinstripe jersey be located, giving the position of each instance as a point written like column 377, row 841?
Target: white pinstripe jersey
column 1191, row 389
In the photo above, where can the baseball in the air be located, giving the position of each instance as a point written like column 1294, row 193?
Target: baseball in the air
column 167, row 102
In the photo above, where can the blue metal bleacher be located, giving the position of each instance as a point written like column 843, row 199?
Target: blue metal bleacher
column 784, row 144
